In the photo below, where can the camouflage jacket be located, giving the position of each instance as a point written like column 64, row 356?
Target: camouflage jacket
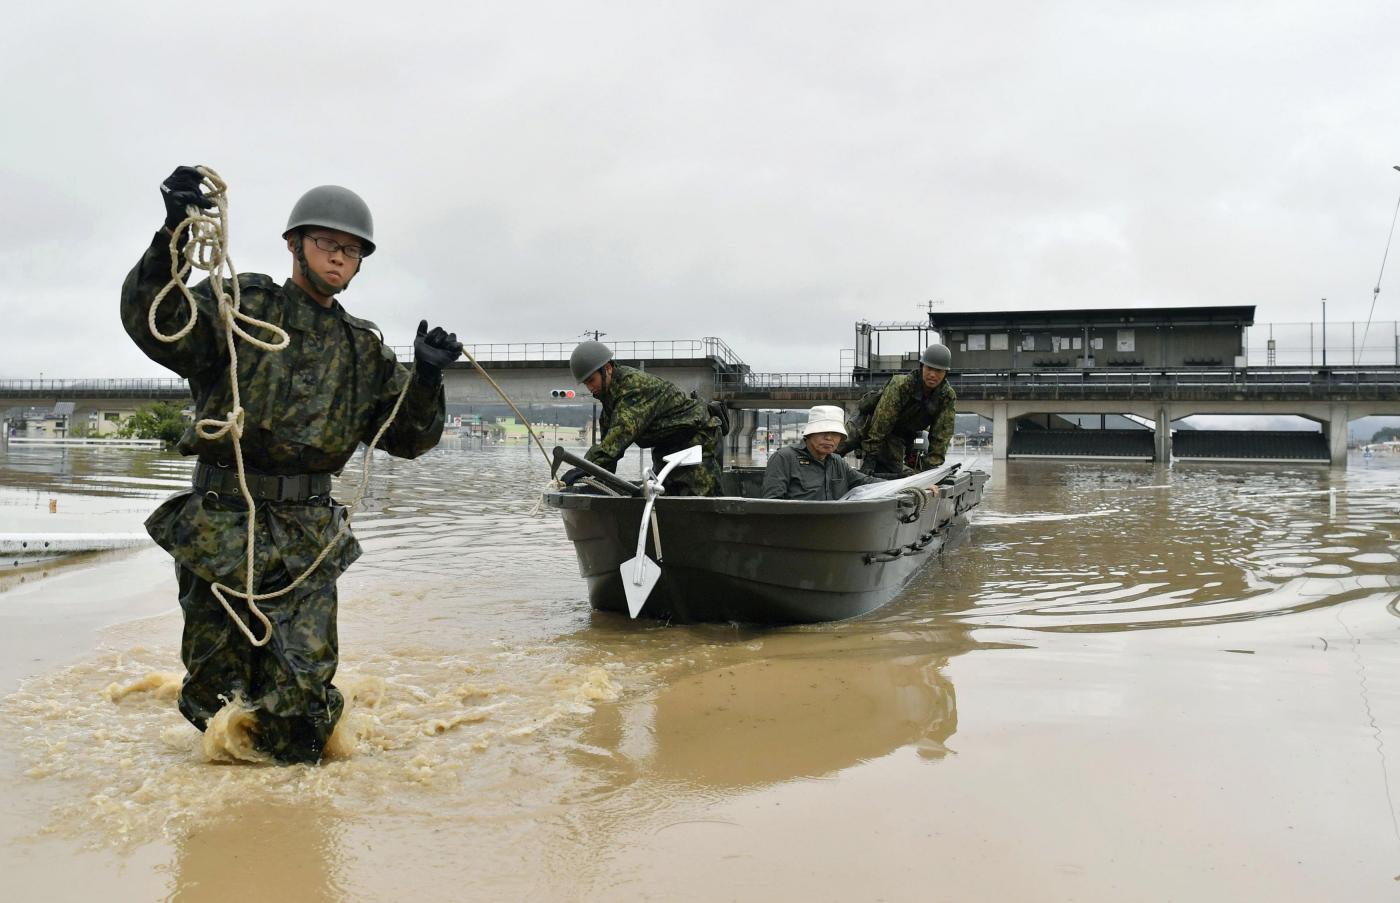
column 647, row 411
column 905, row 408
column 308, row 407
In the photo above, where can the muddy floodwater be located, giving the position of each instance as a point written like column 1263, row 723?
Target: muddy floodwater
column 1130, row 682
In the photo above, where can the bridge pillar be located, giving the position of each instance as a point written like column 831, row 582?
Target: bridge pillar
column 745, row 422
column 1001, row 431
column 1163, row 438
column 1337, row 435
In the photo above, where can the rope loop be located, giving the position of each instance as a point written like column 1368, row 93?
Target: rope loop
column 919, row 499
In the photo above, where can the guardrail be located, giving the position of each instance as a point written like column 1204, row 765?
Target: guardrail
column 640, row 349
column 1383, row 383
column 110, row 443
column 760, row 381
column 1294, row 382
column 93, row 388
column 1338, row 342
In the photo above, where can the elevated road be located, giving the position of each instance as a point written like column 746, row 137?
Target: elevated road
column 531, row 372
column 1332, row 397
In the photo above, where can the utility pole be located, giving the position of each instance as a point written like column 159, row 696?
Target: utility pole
column 597, row 336
column 1324, row 333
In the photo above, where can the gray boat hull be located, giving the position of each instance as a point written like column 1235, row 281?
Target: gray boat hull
column 763, row 561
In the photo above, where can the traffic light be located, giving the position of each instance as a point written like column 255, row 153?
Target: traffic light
column 561, row 393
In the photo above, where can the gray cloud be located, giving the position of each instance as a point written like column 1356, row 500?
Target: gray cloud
column 766, row 173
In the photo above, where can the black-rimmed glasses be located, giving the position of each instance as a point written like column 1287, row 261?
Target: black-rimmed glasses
column 330, row 246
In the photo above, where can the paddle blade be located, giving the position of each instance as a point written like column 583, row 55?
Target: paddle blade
column 638, row 590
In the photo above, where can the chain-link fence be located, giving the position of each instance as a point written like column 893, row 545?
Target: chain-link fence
column 1348, row 343
column 635, row 349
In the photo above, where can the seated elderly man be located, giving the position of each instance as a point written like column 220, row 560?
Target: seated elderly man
column 812, row 471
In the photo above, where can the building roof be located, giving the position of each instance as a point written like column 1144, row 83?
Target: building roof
column 1233, row 315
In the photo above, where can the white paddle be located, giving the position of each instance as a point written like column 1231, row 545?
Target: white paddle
column 639, row 575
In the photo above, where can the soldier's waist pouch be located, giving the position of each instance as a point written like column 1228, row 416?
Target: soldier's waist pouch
column 208, row 534
column 298, row 487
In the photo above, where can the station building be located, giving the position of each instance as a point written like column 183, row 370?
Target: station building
column 1166, row 338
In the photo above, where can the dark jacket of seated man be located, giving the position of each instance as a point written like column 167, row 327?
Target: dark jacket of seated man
column 812, row 471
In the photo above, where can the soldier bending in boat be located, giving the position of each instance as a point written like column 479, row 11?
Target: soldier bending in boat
column 649, row 412
column 307, row 408
column 909, row 403
column 811, row 471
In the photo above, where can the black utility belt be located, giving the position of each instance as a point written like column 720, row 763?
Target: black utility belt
column 297, row 487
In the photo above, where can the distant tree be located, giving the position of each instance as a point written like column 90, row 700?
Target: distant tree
column 1387, row 434
column 79, row 430
column 163, row 420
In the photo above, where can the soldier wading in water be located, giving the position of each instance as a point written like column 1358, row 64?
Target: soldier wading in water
column 307, row 408
column 909, row 404
column 649, row 412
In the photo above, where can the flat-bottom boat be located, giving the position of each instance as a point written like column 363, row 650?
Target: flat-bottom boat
column 746, row 559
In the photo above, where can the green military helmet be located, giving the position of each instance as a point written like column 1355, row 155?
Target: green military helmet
column 588, row 358
column 937, row 356
column 333, row 207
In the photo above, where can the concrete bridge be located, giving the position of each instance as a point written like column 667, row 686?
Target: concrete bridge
column 1331, row 397
column 531, row 372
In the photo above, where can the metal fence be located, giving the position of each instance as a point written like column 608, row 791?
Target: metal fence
column 1294, row 382
column 749, row 382
column 91, row 443
column 1348, row 343
column 92, row 388
column 1254, row 382
column 639, row 349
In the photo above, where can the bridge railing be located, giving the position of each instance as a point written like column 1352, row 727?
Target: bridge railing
column 1339, row 343
column 1366, row 382
column 750, row 382
column 153, row 388
column 638, row 349
column 1319, row 382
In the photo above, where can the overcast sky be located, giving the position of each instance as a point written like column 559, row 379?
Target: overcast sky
column 763, row 172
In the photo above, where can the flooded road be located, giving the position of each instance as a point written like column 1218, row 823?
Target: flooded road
column 1129, row 683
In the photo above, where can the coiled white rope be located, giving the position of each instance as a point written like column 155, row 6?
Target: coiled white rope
column 208, row 250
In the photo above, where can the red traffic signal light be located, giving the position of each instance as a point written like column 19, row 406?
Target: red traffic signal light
column 561, row 393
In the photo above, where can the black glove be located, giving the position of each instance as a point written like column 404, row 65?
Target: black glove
column 572, row 476
column 181, row 190
column 435, row 349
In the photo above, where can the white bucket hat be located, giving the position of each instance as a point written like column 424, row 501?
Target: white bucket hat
column 825, row 418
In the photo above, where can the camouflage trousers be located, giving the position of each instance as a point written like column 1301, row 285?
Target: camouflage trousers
column 287, row 682
column 703, row 478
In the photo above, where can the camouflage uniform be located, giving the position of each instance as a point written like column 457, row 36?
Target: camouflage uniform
column 647, row 411
column 308, row 408
column 905, row 408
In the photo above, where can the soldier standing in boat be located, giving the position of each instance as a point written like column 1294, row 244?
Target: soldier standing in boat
column 909, row 404
column 649, row 412
column 308, row 407
column 812, row 471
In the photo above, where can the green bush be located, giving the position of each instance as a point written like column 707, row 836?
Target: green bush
column 163, row 420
